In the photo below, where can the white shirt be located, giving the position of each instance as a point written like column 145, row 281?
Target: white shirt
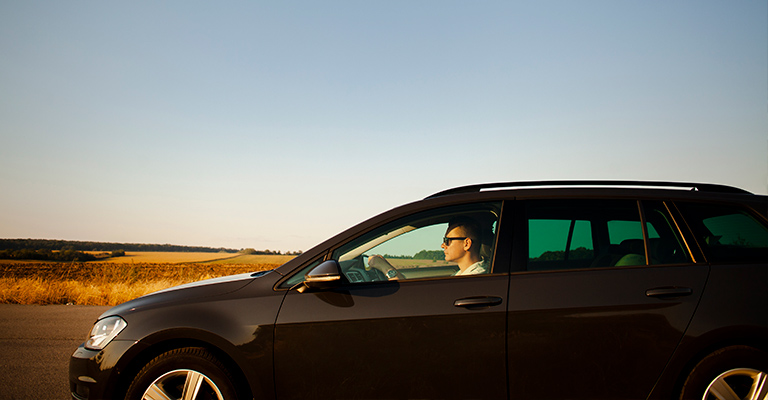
column 477, row 268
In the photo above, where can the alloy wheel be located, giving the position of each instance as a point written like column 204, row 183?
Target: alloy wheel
column 183, row 384
column 738, row 384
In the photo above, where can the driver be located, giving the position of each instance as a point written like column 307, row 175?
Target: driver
column 461, row 245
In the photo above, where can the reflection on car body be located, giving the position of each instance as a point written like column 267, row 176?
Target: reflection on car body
column 587, row 290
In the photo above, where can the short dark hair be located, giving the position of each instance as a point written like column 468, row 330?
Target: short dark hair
column 471, row 229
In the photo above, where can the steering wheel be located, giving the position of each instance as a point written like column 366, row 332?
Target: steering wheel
column 358, row 271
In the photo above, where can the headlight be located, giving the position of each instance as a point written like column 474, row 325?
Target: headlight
column 104, row 331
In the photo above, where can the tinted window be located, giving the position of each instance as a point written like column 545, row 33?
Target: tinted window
column 572, row 234
column 727, row 233
column 549, row 242
column 299, row 277
column 665, row 244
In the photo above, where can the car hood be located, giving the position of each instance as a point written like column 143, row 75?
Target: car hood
column 187, row 293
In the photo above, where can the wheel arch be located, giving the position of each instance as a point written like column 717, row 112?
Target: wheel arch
column 693, row 349
column 714, row 342
column 712, row 366
column 173, row 339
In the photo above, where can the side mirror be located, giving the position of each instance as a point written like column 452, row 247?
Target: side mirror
column 323, row 276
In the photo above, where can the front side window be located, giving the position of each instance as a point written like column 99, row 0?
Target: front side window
column 445, row 242
column 299, row 277
column 575, row 234
column 727, row 233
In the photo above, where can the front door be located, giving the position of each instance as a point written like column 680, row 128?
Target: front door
column 403, row 324
column 394, row 340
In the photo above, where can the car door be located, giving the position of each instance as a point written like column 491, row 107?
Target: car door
column 437, row 336
column 601, row 301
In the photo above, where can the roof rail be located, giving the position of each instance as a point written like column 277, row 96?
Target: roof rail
column 703, row 187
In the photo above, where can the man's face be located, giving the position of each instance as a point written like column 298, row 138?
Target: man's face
column 455, row 249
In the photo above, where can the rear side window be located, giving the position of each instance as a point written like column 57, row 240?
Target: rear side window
column 727, row 234
column 574, row 234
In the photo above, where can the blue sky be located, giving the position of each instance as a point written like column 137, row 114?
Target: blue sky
column 276, row 125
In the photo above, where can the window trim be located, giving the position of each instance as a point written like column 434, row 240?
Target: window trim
column 685, row 231
column 644, row 229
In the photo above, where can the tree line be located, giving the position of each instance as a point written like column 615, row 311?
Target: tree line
column 58, row 245
column 46, row 255
column 70, row 250
column 580, row 253
column 268, row 252
column 434, row 255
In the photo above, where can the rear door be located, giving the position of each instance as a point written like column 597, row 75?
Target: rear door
column 605, row 291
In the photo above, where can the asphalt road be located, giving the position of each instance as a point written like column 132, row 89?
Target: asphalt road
column 35, row 345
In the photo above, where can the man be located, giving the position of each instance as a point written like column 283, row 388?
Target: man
column 461, row 245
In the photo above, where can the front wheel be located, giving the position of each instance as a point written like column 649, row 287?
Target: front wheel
column 732, row 373
column 190, row 373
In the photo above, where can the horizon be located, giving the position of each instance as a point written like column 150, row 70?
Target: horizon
column 151, row 244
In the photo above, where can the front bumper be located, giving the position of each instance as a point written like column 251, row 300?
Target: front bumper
column 95, row 374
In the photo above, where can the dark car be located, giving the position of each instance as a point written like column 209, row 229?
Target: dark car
column 528, row 290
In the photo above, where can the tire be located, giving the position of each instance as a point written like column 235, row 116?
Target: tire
column 736, row 372
column 178, row 374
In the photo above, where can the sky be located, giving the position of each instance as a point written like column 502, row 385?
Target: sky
column 275, row 125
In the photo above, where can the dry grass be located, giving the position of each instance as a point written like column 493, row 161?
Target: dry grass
column 41, row 291
column 103, row 283
column 254, row 259
column 165, row 257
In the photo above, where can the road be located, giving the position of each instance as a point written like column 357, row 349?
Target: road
column 35, row 345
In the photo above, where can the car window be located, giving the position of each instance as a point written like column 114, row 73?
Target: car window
column 665, row 244
column 574, row 234
column 414, row 247
column 727, row 233
column 549, row 241
column 299, row 276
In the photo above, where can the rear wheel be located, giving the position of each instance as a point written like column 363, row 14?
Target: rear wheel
column 732, row 373
column 189, row 373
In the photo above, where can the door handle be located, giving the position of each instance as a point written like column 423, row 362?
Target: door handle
column 669, row 292
column 478, row 302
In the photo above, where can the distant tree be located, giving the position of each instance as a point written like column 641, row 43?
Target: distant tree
column 46, row 255
column 400, row 257
column 580, row 253
column 434, row 255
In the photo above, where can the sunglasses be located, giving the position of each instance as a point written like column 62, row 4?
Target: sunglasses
column 447, row 240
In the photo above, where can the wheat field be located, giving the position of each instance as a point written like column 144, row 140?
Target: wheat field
column 163, row 257
column 112, row 283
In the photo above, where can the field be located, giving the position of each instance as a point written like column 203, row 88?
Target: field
column 161, row 257
column 116, row 280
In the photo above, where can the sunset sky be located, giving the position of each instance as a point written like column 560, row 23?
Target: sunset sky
column 275, row 125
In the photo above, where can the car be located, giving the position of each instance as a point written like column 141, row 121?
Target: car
column 509, row 290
